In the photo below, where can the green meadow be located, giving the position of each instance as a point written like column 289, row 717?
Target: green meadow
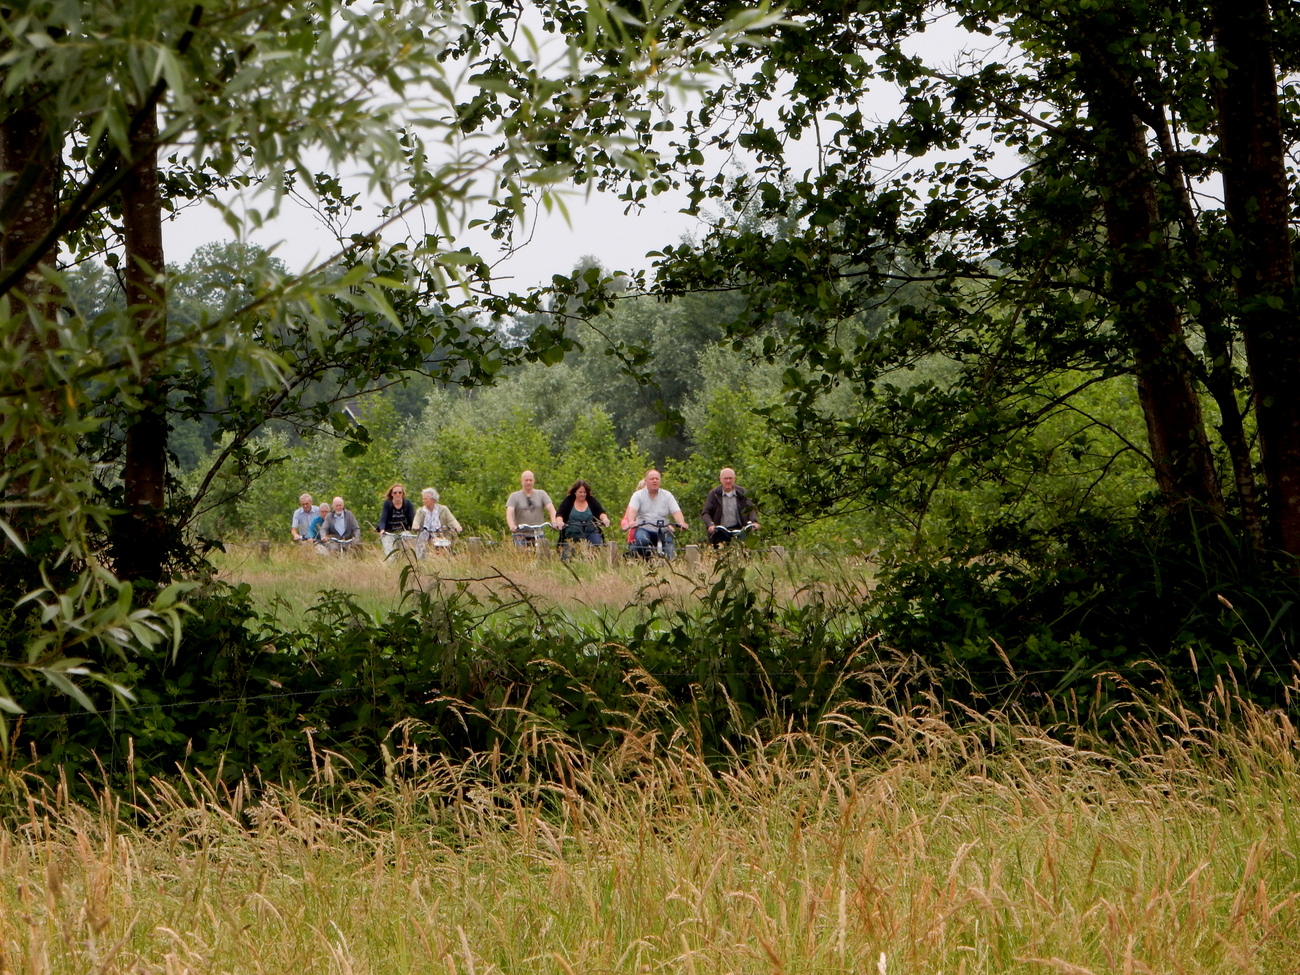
column 286, row 580
column 891, row 837
column 928, row 846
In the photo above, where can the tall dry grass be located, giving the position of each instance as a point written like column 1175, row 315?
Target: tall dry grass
column 918, row 847
column 291, row 579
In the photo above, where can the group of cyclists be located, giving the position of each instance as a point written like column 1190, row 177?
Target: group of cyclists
column 650, row 519
column 334, row 530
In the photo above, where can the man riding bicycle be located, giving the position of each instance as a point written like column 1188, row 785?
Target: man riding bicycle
column 727, row 507
column 650, row 510
column 529, row 507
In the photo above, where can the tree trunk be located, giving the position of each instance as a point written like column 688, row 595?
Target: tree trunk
column 1145, row 311
column 140, row 536
column 1219, row 377
column 1255, row 193
column 27, row 212
column 29, row 208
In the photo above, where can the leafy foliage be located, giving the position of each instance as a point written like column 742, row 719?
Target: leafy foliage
column 225, row 95
column 980, row 242
column 1098, row 596
column 242, row 693
column 452, row 674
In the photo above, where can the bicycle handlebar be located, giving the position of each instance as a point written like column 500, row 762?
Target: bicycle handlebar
column 735, row 531
column 672, row 526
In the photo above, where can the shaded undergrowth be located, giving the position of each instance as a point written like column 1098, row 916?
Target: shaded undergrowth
column 460, row 662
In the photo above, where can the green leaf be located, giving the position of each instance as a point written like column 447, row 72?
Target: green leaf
column 70, row 689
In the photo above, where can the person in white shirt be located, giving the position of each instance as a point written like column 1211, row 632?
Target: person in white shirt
column 433, row 522
column 650, row 512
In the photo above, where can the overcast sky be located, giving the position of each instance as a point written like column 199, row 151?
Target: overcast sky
column 597, row 225
column 549, row 244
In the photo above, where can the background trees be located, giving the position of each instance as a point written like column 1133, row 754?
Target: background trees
column 113, row 114
column 1034, row 216
column 972, row 261
column 959, row 290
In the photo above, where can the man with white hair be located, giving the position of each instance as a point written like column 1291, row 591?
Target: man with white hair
column 434, row 522
column 729, row 507
column 339, row 532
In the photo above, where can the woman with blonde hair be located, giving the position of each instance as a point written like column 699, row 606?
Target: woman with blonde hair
column 397, row 516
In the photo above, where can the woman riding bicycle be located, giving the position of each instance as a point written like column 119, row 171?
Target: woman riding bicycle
column 580, row 516
column 433, row 522
column 396, row 517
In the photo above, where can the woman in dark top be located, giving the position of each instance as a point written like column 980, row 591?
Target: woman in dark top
column 580, row 515
column 397, row 516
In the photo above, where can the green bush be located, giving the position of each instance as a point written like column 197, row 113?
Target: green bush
column 245, row 695
column 1045, row 615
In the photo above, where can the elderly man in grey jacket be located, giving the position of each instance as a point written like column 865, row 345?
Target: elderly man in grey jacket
column 339, row 532
column 727, row 506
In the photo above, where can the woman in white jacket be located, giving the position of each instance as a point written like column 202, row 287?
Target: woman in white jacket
column 433, row 521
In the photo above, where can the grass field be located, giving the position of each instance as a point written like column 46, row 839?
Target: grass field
column 289, row 578
column 1169, row 845
column 989, row 849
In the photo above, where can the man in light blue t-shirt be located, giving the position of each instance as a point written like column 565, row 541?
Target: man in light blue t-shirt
column 651, row 511
column 302, row 519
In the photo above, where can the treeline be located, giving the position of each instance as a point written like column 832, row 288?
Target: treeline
column 652, row 383
column 1055, row 396
column 1087, row 589
column 1045, row 543
column 690, row 411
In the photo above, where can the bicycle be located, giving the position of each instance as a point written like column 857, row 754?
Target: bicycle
column 526, row 536
column 395, row 542
column 439, row 539
column 722, row 535
column 338, row 546
column 572, row 540
column 654, row 538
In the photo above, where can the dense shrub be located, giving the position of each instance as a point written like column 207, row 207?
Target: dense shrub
column 1100, row 608
column 454, row 673
column 1049, row 613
